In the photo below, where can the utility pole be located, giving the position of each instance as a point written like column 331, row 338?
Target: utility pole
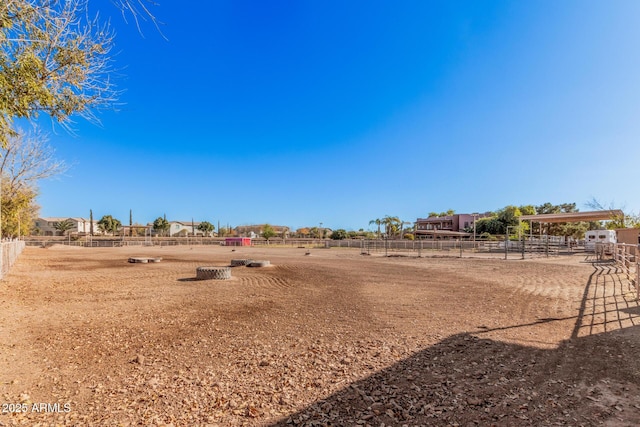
column 475, row 216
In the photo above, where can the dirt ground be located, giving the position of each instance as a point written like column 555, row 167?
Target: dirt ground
column 331, row 338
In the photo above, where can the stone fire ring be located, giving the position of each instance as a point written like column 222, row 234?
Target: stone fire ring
column 215, row 273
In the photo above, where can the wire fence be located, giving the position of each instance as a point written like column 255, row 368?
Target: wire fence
column 10, row 253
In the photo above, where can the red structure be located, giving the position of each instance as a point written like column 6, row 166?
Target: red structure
column 237, row 241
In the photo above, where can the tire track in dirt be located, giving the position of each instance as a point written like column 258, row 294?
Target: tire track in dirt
column 266, row 282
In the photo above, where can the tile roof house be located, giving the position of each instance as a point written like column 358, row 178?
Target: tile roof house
column 449, row 226
column 80, row 226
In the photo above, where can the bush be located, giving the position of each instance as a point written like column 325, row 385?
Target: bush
column 339, row 234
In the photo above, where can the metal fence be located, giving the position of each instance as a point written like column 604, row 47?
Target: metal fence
column 527, row 248
column 626, row 258
column 175, row 241
column 115, row 243
column 10, row 252
column 530, row 247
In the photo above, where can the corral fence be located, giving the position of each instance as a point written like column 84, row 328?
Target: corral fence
column 104, row 242
column 529, row 247
column 120, row 242
column 626, row 258
column 507, row 249
column 10, row 253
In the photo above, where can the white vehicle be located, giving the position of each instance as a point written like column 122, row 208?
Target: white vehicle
column 599, row 236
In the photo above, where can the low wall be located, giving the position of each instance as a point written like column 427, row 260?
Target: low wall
column 9, row 254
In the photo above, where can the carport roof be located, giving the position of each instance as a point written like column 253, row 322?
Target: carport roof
column 605, row 215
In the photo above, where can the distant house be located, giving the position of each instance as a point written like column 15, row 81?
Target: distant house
column 449, row 226
column 81, row 226
column 184, row 229
column 254, row 231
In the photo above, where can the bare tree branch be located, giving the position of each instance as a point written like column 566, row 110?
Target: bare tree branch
column 54, row 59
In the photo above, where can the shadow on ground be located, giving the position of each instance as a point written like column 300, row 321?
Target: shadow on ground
column 590, row 379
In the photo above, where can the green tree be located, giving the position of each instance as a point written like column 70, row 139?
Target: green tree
column 161, row 225
column 627, row 220
column 339, row 234
column 63, row 226
column 557, row 229
column 19, row 210
column 206, row 227
column 109, row 225
column 268, row 232
column 508, row 217
column 54, row 59
column 489, row 225
column 450, row 212
column 528, row 210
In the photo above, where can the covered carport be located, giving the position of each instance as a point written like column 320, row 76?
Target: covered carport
column 603, row 215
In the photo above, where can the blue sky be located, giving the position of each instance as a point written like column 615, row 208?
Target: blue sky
column 301, row 112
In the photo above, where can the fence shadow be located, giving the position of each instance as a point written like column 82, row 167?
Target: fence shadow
column 608, row 302
column 466, row 379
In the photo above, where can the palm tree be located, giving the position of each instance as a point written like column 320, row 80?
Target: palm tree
column 391, row 225
column 63, row 226
column 377, row 222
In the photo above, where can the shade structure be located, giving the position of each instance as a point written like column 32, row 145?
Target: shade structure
column 606, row 215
